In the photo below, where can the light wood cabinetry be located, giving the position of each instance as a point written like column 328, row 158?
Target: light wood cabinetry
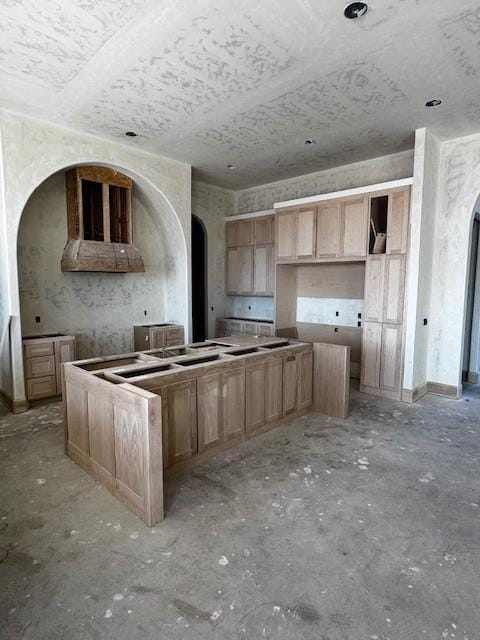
column 273, row 389
column 397, row 225
column 355, row 225
column 232, row 327
column 43, row 358
column 371, row 352
column 157, row 336
column 305, row 232
column 180, row 427
column 384, row 288
column 391, row 358
column 285, row 235
column 290, row 383
column 382, row 359
column 254, row 396
column 374, row 288
column 233, row 407
column 250, row 263
column 305, row 382
column 329, row 230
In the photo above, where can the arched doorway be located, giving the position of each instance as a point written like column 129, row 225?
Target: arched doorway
column 199, row 280
column 471, row 344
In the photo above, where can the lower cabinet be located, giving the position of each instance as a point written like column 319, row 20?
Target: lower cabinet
column 220, row 407
column 151, row 336
column 305, row 379
column 382, row 359
column 263, row 392
column 290, row 383
column 180, row 422
column 43, row 359
column 273, row 389
column 233, row 327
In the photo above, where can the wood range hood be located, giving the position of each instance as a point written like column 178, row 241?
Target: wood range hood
column 99, row 214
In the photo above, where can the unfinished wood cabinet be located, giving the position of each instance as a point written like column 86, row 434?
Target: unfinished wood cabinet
column 240, row 270
column 331, row 390
column 264, row 269
column 264, row 230
column 285, row 235
column 354, row 227
column 157, row 336
column 43, row 359
column 328, row 230
column 394, row 289
column 391, row 359
column 233, row 327
column 254, row 396
column 273, row 389
column 240, row 233
column 397, row 222
column 374, row 288
column 305, row 232
column 180, row 427
column 371, row 352
column 233, row 407
column 209, row 410
column 305, row 381
column 290, row 383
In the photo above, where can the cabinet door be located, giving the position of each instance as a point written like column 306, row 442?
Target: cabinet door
column 374, row 288
column 264, row 230
column 264, row 266
column 245, row 266
column 273, row 389
column 250, row 328
column 157, row 337
column 233, row 410
column 305, row 235
column 209, row 410
column 397, row 221
column 285, row 236
column 265, row 329
column 64, row 352
column 290, row 383
column 371, row 351
column 328, row 230
column 355, row 216
column 254, row 396
column 391, row 358
column 174, row 336
column 181, row 428
column 233, row 271
column 236, row 328
column 394, row 289
column 239, row 234
column 305, row 381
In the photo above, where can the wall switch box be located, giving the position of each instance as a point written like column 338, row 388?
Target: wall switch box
column 425, row 321
column 37, row 319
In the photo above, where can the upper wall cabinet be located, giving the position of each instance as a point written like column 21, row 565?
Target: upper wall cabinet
column 389, row 212
column 354, row 232
column 240, row 234
column 296, row 238
column 99, row 219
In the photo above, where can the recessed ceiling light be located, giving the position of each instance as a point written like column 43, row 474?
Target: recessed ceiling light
column 355, row 10
column 230, row 166
column 310, row 141
column 131, row 134
column 433, row 103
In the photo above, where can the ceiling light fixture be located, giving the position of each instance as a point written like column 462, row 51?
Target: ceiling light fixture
column 231, row 167
column 433, row 103
column 355, row 10
column 310, row 141
column 131, row 134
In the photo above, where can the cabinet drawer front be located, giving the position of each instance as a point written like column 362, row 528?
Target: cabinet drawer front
column 265, row 329
column 40, row 366
column 38, row 349
column 41, row 387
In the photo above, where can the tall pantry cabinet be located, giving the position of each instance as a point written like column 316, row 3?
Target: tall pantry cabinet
column 384, row 328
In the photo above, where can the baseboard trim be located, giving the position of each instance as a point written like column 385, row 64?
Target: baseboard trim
column 472, row 377
column 412, row 395
column 447, row 390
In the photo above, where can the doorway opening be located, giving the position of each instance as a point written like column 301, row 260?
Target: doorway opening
column 471, row 346
column 199, row 280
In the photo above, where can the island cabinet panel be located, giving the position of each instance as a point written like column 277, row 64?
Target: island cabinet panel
column 209, row 410
column 285, row 236
column 129, row 453
column 233, row 407
column 77, row 418
column 254, row 396
column 273, row 389
column 397, row 227
column 64, row 352
column 305, row 233
column 101, row 436
column 290, row 384
column 305, row 380
column 355, row 217
column 374, row 288
column 157, row 338
column 328, row 230
column 371, row 353
column 180, row 426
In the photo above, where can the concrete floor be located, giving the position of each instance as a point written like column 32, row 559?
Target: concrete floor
column 323, row 529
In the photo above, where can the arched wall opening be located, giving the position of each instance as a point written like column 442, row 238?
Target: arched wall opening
column 199, row 280
column 471, row 329
column 99, row 308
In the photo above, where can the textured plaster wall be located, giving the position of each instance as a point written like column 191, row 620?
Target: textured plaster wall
column 391, row 167
column 260, row 308
column 5, row 369
column 211, row 204
column 458, row 190
column 33, row 150
column 420, row 258
column 472, row 350
column 100, row 309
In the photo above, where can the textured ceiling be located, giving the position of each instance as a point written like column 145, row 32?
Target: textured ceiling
column 245, row 83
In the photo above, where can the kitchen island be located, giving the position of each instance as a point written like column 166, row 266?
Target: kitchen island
column 133, row 419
